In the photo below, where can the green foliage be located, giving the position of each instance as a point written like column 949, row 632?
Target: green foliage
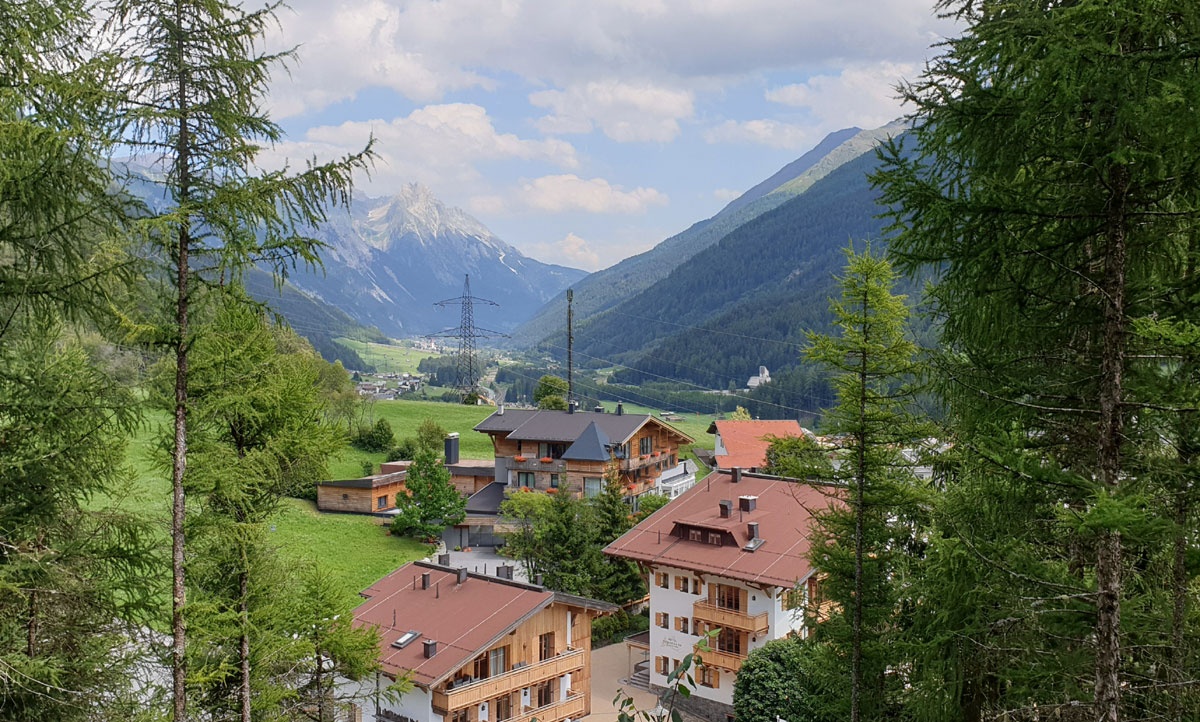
column 613, row 628
column 798, row 457
column 648, row 504
column 432, row 503
column 740, row 414
column 376, row 437
column 550, row 394
column 430, row 435
column 786, row 678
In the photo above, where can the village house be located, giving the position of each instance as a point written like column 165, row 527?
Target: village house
column 731, row 554
column 744, row 443
column 375, row 494
column 568, row 451
column 476, row 648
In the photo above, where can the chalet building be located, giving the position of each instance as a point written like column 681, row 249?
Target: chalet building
column 369, row 495
column 730, row 554
column 477, row 648
column 569, row 450
column 743, row 443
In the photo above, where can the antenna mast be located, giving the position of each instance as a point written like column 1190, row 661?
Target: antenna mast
column 570, row 347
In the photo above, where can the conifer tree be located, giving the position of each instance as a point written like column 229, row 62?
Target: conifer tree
column 194, row 78
column 1053, row 180
column 860, row 539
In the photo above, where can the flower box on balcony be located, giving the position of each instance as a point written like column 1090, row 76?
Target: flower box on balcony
column 552, row 490
column 643, row 457
column 519, row 459
column 546, row 460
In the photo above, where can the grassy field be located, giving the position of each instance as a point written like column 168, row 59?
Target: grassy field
column 354, row 549
column 388, row 358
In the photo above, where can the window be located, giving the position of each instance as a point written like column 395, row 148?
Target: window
column 554, row 451
column 645, row 445
column 714, row 538
column 709, row 676
column 662, row 619
column 459, row 715
column 503, row 706
column 381, row 502
column 729, row 641
column 545, row 693
column 696, row 585
column 497, row 660
column 793, row 598
column 525, row 479
column 554, row 481
column 663, row 579
column 479, row 668
column 662, row 665
column 727, row 597
column 681, row 624
column 545, row 646
column 681, row 583
column 592, row 486
column 696, row 535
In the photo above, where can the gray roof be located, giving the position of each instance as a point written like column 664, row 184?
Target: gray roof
column 505, row 419
column 486, row 501
column 527, row 425
column 592, row 445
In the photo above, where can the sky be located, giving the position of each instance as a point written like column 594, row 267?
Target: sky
column 585, row 131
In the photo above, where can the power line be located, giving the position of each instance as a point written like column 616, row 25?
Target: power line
column 466, row 333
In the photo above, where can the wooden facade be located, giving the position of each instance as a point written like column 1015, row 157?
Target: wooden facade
column 369, row 495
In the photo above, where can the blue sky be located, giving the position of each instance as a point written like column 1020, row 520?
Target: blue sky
column 583, row 132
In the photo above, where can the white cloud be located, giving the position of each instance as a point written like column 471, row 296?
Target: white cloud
column 441, row 146
column 425, row 49
column 624, row 111
column 772, row 133
column 566, row 193
column 863, row 95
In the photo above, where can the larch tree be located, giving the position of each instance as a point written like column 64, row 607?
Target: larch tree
column 194, row 76
column 1053, row 179
column 860, row 539
column 76, row 573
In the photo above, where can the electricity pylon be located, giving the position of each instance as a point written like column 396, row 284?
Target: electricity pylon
column 468, row 369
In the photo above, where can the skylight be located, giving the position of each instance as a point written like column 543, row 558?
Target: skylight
column 406, row 639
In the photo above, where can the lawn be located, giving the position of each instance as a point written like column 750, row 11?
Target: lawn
column 396, row 358
column 354, row 549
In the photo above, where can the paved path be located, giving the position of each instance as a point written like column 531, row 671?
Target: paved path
column 610, row 665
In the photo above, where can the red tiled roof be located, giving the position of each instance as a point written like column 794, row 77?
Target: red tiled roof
column 465, row 619
column 783, row 511
column 746, row 441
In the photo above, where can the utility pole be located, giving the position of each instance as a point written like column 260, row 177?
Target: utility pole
column 570, row 346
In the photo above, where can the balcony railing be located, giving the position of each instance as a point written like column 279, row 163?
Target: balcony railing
column 479, row 690
column 724, row 660
column 533, row 463
column 729, row 618
column 572, row 707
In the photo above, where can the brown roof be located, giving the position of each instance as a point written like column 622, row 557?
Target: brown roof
column 783, row 511
column 747, row 440
column 464, row 619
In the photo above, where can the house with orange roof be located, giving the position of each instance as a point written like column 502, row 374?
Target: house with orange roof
column 477, row 648
column 730, row 554
column 743, row 443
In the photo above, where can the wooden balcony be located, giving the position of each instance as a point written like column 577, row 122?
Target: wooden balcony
column 532, row 463
column 480, row 690
column 730, row 619
column 572, row 707
column 724, row 660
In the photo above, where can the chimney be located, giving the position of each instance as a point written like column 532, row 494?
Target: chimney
column 599, row 409
column 537, row 579
column 444, row 560
column 571, row 407
column 452, row 448
column 424, row 580
column 747, row 503
column 726, row 508
column 752, row 529
column 736, row 477
column 504, row 571
column 430, row 648
column 620, row 409
column 462, row 575
column 500, row 411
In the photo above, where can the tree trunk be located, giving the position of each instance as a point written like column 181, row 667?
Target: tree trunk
column 1110, row 427
column 179, row 461
column 244, row 640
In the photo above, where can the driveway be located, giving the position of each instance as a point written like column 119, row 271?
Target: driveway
column 610, row 665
